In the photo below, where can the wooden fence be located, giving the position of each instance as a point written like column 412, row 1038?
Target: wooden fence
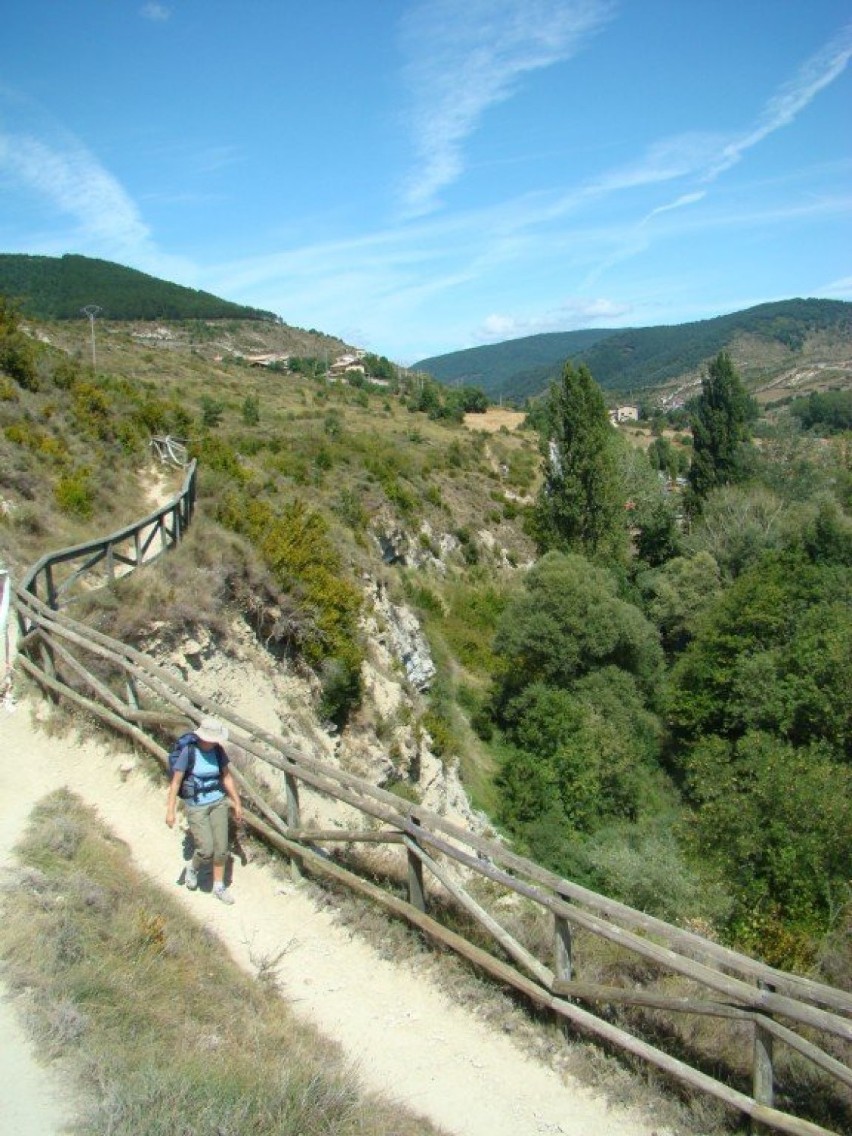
column 61, row 577
column 439, row 866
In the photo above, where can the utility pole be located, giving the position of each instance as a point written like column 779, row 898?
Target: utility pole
column 91, row 310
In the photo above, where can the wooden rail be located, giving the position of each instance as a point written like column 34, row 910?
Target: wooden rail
column 61, row 577
column 439, row 864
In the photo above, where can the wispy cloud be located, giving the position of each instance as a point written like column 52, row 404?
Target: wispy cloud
column 576, row 312
column 679, row 203
column 701, row 159
column 74, row 183
column 105, row 220
column 387, row 277
column 468, row 55
column 158, row 13
column 820, row 70
column 838, row 289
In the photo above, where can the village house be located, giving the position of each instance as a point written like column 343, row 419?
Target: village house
column 620, row 414
column 348, row 364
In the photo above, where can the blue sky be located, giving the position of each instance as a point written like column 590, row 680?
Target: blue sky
column 419, row 176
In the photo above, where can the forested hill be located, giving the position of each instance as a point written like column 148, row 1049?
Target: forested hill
column 633, row 359
column 57, row 288
column 499, row 368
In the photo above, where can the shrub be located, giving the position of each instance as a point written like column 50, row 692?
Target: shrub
column 92, row 410
column 645, row 868
column 295, row 545
column 17, row 359
column 251, row 410
column 74, row 494
column 211, row 412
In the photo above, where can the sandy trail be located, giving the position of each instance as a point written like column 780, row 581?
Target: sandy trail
column 404, row 1035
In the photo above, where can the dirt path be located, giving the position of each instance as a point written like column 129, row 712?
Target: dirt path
column 404, row 1035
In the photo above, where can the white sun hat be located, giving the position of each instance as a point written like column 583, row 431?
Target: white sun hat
column 212, row 730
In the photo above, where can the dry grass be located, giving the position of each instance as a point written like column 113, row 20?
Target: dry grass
column 160, row 1045
column 495, row 418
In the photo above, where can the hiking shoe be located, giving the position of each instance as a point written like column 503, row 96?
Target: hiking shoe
column 190, row 877
column 223, row 895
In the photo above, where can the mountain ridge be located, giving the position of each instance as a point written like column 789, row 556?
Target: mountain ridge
column 779, row 348
column 640, row 359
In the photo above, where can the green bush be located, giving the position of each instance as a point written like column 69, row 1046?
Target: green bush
column 642, row 865
column 93, row 410
column 18, row 361
column 74, row 494
column 785, row 851
column 295, row 545
column 212, row 410
column 251, row 410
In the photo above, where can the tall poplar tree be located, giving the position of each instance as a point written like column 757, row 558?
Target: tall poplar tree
column 720, row 429
column 580, row 505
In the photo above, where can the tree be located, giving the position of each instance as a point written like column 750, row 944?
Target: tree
column 719, row 429
column 212, row 410
column 785, row 851
column 568, row 622
column 17, row 352
column 581, row 505
column 677, row 594
column 738, row 524
column 653, row 510
column 773, row 654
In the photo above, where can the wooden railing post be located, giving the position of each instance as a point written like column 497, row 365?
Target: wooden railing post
column 50, row 597
column 416, row 888
column 763, row 1081
column 563, row 963
column 294, row 820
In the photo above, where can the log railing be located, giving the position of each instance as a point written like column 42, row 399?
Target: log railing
column 441, row 864
column 61, row 577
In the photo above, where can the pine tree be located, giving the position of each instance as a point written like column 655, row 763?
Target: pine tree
column 580, row 506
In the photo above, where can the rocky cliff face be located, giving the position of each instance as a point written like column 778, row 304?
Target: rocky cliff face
column 384, row 742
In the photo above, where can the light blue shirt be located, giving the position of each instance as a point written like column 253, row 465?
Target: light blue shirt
column 204, row 766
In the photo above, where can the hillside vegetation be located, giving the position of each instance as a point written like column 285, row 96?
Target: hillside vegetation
column 765, row 342
column 49, row 287
column 628, row 669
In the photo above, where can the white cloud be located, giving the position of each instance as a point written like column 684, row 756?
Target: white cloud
column 578, row 312
column 840, row 289
column 105, row 221
column 678, row 203
column 466, row 56
column 157, row 13
column 75, row 184
column 816, row 73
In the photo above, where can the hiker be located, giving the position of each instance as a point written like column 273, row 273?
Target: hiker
column 202, row 779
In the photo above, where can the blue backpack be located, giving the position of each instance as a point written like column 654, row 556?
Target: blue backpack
column 192, row 786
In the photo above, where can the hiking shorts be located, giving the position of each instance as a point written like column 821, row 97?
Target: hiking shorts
column 209, row 827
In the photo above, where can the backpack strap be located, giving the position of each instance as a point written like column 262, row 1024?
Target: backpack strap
column 204, row 782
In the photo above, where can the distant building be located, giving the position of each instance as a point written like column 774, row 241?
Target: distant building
column 265, row 360
column 624, row 414
column 348, row 364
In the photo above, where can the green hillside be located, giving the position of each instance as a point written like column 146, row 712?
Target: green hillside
column 57, row 288
column 496, row 366
column 634, row 359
